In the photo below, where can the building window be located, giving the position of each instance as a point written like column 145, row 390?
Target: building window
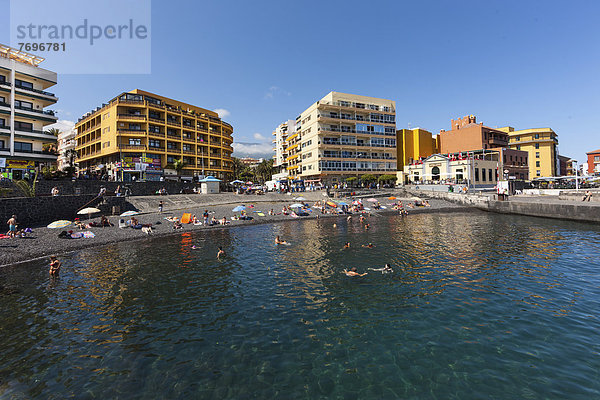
column 537, row 146
column 491, row 175
column 23, row 126
column 596, row 158
column 135, row 142
column 537, row 164
column 2, row 78
column 23, row 104
column 537, row 154
column 518, row 139
column 483, row 174
column 476, row 174
column 2, row 122
column 154, row 143
column 22, row 84
column 24, row 147
column 518, row 147
column 2, row 145
column 537, row 135
column 538, row 173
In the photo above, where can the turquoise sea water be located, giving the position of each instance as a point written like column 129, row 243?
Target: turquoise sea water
column 479, row 306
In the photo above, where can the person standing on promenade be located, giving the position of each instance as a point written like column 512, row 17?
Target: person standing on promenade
column 160, row 206
column 12, row 226
column 587, row 196
column 205, row 217
column 54, row 266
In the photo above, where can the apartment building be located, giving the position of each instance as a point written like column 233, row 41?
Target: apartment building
column 67, row 140
column 23, row 100
column 280, row 144
column 340, row 136
column 139, row 135
column 593, row 162
column 542, row 146
column 466, row 134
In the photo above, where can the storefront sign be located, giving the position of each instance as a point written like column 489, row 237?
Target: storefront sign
column 20, row 164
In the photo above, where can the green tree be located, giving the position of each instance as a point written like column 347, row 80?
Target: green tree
column 238, row 167
column 178, row 165
column 368, row 178
column 351, row 180
column 26, row 188
column 71, row 155
column 384, row 178
column 265, row 170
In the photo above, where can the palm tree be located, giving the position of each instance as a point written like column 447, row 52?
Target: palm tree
column 178, row 165
column 71, row 155
column 265, row 170
column 53, row 131
column 238, row 167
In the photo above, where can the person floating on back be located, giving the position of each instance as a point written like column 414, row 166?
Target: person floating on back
column 278, row 240
column 353, row 272
column 385, row 270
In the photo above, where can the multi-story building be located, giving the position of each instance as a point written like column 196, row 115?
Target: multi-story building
column 22, row 115
column 542, row 146
column 66, row 141
column 412, row 144
column 141, row 135
column 340, row 136
column 468, row 135
column 593, row 162
column 280, row 144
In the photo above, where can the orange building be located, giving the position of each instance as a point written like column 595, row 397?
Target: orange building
column 593, row 162
column 468, row 135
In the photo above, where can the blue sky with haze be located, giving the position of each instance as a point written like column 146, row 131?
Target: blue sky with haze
column 521, row 63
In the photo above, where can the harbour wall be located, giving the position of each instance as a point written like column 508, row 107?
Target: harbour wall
column 558, row 209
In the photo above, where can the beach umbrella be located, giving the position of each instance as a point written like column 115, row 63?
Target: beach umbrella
column 129, row 213
column 249, row 183
column 342, row 203
column 299, row 198
column 372, row 200
column 239, row 208
column 59, row 224
column 236, row 182
column 391, row 198
column 89, row 211
column 297, row 205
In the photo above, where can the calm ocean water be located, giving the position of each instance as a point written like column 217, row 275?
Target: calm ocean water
column 479, row 306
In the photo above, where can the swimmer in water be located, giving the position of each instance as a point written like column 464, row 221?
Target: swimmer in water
column 278, row 240
column 221, row 253
column 346, row 246
column 367, row 227
column 194, row 247
column 385, row 270
column 54, row 266
column 370, row 245
column 353, row 272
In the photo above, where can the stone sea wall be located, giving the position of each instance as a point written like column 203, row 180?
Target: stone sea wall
column 40, row 211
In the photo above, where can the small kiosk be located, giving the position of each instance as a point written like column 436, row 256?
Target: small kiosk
column 210, row 185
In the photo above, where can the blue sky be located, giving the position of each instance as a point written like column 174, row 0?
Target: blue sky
column 524, row 64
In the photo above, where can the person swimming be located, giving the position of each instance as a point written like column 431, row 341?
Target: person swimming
column 353, row 272
column 385, row 270
column 278, row 240
column 347, row 245
column 221, row 253
column 370, row 245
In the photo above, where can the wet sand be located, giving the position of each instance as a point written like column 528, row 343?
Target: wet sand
column 44, row 242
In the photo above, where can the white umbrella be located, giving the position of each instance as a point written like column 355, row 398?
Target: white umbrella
column 59, row 224
column 129, row 213
column 89, row 211
column 297, row 205
column 299, row 198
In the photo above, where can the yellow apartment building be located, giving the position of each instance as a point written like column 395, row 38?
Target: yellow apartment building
column 23, row 117
column 411, row 144
column 141, row 135
column 542, row 146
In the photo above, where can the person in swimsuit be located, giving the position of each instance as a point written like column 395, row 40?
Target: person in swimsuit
column 385, row 270
column 347, row 245
column 221, row 253
column 353, row 272
column 54, row 266
column 370, row 245
column 12, row 226
column 278, row 240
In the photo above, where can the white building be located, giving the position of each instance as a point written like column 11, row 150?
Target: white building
column 22, row 115
column 281, row 133
column 66, row 141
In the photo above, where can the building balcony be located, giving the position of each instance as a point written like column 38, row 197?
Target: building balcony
column 154, row 148
column 156, row 134
column 131, row 117
column 174, row 123
column 157, row 120
column 137, row 147
column 20, row 88
column 36, row 134
column 189, row 139
column 192, row 152
column 131, row 132
column 335, row 130
column 132, row 102
column 172, row 136
column 46, row 113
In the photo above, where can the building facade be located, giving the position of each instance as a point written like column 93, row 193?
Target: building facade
column 593, row 162
column 280, row 145
column 141, row 135
column 23, row 100
column 341, row 136
column 468, row 135
column 67, row 140
column 413, row 144
column 542, row 146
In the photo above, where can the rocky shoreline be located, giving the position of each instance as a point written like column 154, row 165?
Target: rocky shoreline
column 44, row 242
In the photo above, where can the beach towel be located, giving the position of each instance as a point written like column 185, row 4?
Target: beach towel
column 3, row 236
column 185, row 218
column 260, row 214
column 88, row 234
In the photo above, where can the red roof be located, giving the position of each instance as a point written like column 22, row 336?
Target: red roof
column 595, row 151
